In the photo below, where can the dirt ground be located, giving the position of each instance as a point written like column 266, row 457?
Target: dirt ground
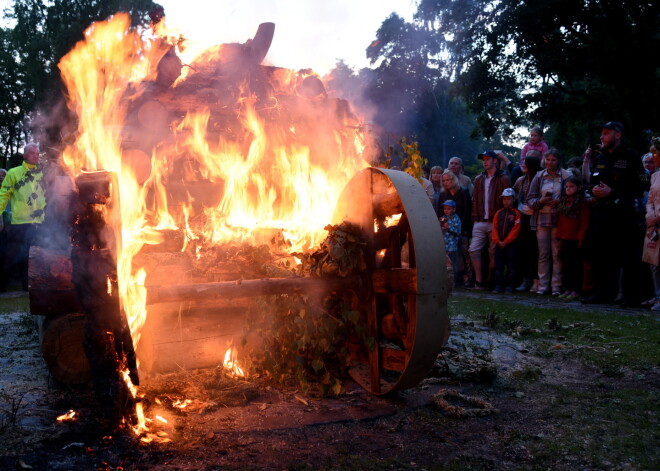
column 232, row 424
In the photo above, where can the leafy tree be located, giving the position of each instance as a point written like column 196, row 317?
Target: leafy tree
column 567, row 64
column 41, row 34
column 11, row 98
column 409, row 90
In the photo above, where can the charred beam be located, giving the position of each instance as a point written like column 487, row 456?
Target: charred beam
column 249, row 288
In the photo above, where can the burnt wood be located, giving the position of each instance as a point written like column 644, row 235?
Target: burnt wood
column 51, row 289
column 249, row 288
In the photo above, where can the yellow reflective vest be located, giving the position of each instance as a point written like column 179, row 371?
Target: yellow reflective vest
column 22, row 186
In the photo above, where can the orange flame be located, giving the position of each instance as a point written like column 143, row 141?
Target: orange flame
column 69, row 416
column 230, row 364
column 242, row 169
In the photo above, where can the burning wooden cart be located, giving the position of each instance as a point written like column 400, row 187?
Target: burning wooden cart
column 402, row 294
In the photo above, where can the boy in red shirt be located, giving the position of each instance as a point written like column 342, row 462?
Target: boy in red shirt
column 506, row 229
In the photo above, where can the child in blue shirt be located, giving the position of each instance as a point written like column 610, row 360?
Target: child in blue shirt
column 451, row 230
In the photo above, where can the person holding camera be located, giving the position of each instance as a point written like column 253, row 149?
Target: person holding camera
column 615, row 178
column 543, row 197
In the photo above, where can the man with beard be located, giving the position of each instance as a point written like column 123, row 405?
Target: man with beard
column 613, row 245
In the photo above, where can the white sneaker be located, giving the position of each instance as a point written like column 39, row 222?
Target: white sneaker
column 656, row 307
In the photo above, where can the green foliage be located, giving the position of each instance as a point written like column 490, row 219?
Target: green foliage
column 39, row 35
column 410, row 90
column 305, row 339
column 340, row 254
column 413, row 161
column 305, row 343
column 613, row 428
column 566, row 65
column 9, row 304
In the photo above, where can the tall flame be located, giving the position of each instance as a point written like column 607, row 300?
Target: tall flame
column 279, row 163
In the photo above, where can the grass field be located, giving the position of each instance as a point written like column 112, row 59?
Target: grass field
column 611, row 420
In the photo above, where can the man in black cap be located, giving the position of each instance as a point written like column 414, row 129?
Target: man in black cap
column 486, row 201
column 613, row 245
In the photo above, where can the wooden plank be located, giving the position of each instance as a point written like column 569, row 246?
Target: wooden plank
column 394, row 360
column 249, row 288
column 395, row 280
column 387, row 204
column 189, row 338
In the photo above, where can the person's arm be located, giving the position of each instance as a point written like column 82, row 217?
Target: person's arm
column 515, row 231
column 454, row 226
column 478, row 190
column 505, row 163
column 428, row 187
column 533, row 195
column 494, row 235
column 586, row 165
column 6, row 191
column 651, row 218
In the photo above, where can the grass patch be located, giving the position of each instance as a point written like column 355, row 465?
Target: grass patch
column 609, row 340
column 609, row 430
column 10, row 304
column 598, row 427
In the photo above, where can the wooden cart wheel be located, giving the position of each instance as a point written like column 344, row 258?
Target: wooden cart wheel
column 405, row 303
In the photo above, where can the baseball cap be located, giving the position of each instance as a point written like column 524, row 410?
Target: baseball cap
column 451, row 203
column 508, row 192
column 616, row 125
column 488, row 153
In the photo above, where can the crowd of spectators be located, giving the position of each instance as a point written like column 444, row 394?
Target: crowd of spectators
column 571, row 228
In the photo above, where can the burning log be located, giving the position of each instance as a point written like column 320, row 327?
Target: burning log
column 62, row 339
column 108, row 344
column 169, row 68
column 249, row 288
column 51, row 289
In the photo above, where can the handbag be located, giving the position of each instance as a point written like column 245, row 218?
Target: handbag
column 651, row 252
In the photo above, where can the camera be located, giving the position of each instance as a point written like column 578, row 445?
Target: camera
column 587, row 190
column 443, row 219
column 596, row 148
